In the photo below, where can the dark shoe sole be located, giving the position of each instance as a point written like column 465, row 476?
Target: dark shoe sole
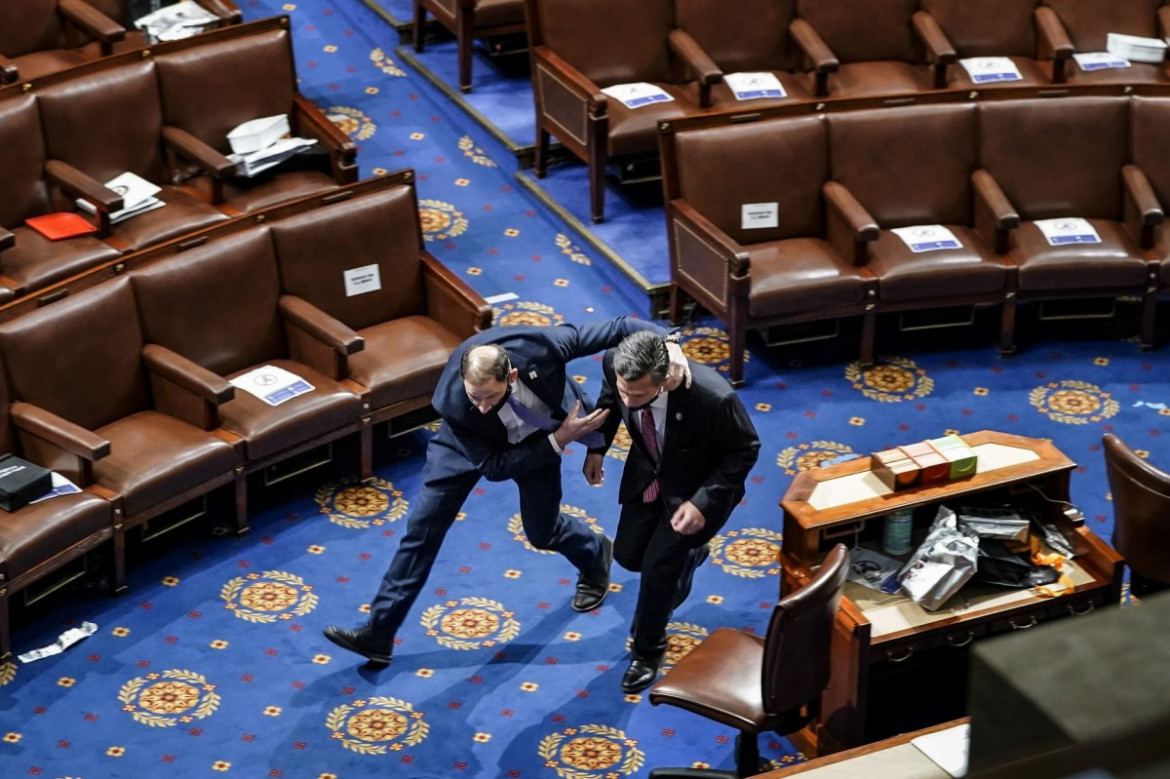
column 343, row 641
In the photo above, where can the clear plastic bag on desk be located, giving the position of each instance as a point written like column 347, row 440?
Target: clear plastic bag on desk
column 942, row 563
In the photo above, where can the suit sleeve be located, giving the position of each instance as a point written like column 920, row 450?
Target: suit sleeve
column 607, row 399
column 502, row 462
column 740, row 447
column 575, row 341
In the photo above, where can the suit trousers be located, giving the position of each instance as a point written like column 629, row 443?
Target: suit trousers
column 440, row 501
column 646, row 543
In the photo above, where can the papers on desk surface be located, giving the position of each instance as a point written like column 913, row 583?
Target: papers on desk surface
column 947, row 748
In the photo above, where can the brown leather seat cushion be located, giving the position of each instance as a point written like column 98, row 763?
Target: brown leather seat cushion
column 154, row 457
column 935, row 275
column 39, row 531
column 1113, row 263
column 635, row 130
column 796, row 85
column 1031, row 75
column 865, row 79
column 183, row 213
column 494, row 13
column 799, row 275
column 721, row 680
column 35, row 261
column 247, row 195
column 1136, row 73
column 268, row 430
column 42, row 63
column 402, row 359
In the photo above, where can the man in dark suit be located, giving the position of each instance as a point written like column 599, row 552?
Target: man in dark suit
column 508, row 411
column 691, row 449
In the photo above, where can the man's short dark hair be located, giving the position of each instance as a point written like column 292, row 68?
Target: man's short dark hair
column 640, row 354
column 482, row 363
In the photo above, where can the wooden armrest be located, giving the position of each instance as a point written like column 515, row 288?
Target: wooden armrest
column 58, row 431
column 224, row 9
column 849, row 227
column 939, row 49
column 995, row 215
column 1052, row 41
column 1143, row 212
column 77, row 184
column 319, row 325
column 186, row 373
column 451, row 301
column 814, row 47
column 697, row 61
column 7, row 239
column 8, row 71
column 194, row 150
column 310, row 121
column 1163, row 21
column 574, row 79
column 92, row 22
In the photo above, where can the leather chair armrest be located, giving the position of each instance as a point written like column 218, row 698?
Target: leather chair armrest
column 451, row 301
column 816, row 51
column 1143, row 212
column 9, row 73
column 317, row 339
column 76, row 184
column 7, row 239
column 577, row 82
column 939, row 50
column 995, row 216
column 224, row 9
column 92, row 22
column 194, row 150
column 1052, row 41
column 188, row 374
column 311, row 122
column 849, row 226
column 1163, row 21
column 731, row 276
column 697, row 61
column 60, row 432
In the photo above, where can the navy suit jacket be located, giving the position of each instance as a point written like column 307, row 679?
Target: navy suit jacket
column 480, row 441
column 709, row 448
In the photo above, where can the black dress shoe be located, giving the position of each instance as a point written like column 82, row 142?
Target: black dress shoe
column 640, row 675
column 592, row 589
column 687, row 575
column 362, row 641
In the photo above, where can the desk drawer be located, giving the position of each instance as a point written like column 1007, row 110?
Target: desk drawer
column 904, row 649
column 1077, row 604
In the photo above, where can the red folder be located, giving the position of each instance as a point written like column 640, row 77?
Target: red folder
column 61, row 225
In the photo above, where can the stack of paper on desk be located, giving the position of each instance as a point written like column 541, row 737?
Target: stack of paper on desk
column 172, row 22
column 138, row 197
column 1135, row 48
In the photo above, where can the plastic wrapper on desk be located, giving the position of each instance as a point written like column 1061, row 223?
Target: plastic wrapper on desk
column 942, row 563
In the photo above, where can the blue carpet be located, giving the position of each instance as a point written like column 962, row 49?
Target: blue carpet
column 214, row 665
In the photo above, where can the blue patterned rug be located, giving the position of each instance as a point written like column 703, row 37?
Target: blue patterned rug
column 214, row 664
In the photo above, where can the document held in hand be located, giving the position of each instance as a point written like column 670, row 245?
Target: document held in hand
column 138, row 196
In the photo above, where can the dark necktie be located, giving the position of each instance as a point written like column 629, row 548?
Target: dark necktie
column 548, row 424
column 650, row 438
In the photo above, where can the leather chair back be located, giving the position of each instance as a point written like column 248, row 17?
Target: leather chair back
column 1149, row 118
column 381, row 229
column 588, row 33
column 797, row 649
column 1056, row 157
column 22, row 160
column 208, row 90
column 80, row 358
column 752, row 37
column 29, row 25
column 863, row 30
column 909, row 168
column 106, row 123
column 987, row 28
column 1141, row 510
column 722, row 168
column 118, row 10
column 231, row 288
column 1089, row 21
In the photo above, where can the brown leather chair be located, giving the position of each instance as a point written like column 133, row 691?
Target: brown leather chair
column 38, row 37
column 105, row 390
column 939, row 144
column 39, row 540
column 760, row 685
column 1151, row 158
column 1052, row 157
column 210, row 86
column 468, row 20
column 953, row 30
column 119, row 108
column 1069, row 26
column 1141, row 516
column 28, row 260
column 750, row 36
column 579, row 47
column 220, row 306
column 411, row 320
column 859, row 48
column 805, row 268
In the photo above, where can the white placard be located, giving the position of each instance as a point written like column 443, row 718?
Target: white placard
column 61, row 486
column 359, row 281
column 637, row 94
column 927, row 238
column 1067, row 230
column 1100, row 60
column 138, row 196
column 754, row 216
column 271, row 384
column 984, row 70
column 753, row 86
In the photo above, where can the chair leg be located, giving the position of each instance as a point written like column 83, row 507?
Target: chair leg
column 366, row 449
column 540, row 155
column 5, row 634
column 597, row 164
column 737, row 336
column 420, row 23
column 240, row 498
column 868, row 336
column 1007, row 327
column 118, row 558
column 675, row 311
column 747, row 754
column 1149, row 316
column 465, row 37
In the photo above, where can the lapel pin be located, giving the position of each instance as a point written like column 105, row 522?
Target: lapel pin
column 677, row 415
column 532, row 374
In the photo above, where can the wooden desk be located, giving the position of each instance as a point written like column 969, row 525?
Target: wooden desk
column 887, row 639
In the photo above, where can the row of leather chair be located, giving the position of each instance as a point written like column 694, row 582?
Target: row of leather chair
column 829, row 187
column 119, row 378
column 816, row 48
column 163, row 114
column 38, row 37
